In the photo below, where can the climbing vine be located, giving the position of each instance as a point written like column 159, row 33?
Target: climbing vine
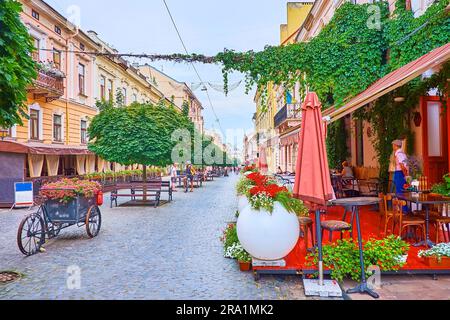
column 337, row 144
column 17, row 69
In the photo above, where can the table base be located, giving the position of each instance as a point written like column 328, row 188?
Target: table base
column 363, row 288
column 426, row 243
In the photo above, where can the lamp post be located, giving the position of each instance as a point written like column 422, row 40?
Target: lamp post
column 4, row 133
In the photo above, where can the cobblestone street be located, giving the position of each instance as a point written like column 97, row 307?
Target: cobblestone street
column 172, row 252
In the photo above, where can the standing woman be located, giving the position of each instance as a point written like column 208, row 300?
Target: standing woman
column 401, row 168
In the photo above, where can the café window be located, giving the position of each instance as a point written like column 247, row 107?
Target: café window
column 57, row 58
column 110, row 90
column 34, row 124
column 57, row 128
column 81, row 79
column 83, row 131
column 102, row 88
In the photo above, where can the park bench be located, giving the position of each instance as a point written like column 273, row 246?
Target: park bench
column 153, row 190
column 166, row 187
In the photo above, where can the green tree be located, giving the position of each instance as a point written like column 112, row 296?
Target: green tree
column 17, row 68
column 136, row 134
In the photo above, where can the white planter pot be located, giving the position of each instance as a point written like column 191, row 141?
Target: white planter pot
column 268, row 236
column 242, row 203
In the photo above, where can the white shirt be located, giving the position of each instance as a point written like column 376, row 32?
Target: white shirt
column 400, row 158
column 173, row 172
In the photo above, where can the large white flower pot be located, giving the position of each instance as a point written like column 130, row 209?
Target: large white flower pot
column 242, row 203
column 268, row 236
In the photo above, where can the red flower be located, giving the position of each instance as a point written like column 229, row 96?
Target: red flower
column 258, row 178
column 274, row 189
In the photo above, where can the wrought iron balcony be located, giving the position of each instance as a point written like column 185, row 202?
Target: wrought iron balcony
column 290, row 112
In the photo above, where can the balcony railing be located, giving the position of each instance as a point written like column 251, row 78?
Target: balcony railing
column 47, row 86
column 288, row 112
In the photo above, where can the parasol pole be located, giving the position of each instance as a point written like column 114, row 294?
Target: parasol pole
column 319, row 246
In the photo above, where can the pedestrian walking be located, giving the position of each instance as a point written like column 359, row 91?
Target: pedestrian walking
column 189, row 178
column 174, row 176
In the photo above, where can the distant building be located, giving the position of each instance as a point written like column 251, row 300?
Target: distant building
column 177, row 92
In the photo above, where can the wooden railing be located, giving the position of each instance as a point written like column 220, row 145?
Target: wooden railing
column 51, row 83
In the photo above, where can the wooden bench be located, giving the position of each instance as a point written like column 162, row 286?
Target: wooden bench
column 165, row 186
column 153, row 189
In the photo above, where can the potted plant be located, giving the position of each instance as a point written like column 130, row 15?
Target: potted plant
column 236, row 251
column 268, row 228
column 244, row 259
column 438, row 256
column 342, row 257
column 443, row 188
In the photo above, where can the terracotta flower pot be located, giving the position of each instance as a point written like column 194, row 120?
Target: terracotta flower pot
column 245, row 266
column 435, row 263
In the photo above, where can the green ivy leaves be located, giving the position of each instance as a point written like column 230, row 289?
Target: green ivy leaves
column 17, row 69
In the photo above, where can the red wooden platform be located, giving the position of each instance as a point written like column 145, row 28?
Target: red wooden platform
column 371, row 228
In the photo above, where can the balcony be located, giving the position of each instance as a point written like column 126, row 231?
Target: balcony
column 49, row 84
column 289, row 115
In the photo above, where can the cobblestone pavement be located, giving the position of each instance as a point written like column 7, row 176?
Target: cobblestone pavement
column 172, row 252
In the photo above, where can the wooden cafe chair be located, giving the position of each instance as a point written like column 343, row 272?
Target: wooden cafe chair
column 406, row 221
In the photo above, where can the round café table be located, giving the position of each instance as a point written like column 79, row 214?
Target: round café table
column 355, row 204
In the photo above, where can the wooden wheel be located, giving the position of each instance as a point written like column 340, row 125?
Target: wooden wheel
column 31, row 234
column 93, row 221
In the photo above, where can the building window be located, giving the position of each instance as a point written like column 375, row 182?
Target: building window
column 34, row 124
column 83, row 131
column 35, row 14
column 81, row 79
column 82, row 47
column 103, row 88
column 135, row 97
column 124, row 96
column 57, row 128
column 57, row 58
column 37, row 46
column 110, row 90
column 58, row 30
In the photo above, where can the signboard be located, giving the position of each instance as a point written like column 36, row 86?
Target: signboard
column 23, row 194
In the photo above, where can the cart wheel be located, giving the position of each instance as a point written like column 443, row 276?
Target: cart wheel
column 31, row 234
column 93, row 221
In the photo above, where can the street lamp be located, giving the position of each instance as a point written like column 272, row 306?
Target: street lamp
column 4, row 133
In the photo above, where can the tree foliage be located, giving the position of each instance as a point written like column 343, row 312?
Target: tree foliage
column 137, row 134
column 17, row 69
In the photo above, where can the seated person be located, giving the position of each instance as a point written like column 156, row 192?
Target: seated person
column 279, row 170
column 347, row 171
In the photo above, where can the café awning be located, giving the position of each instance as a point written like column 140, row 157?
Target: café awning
column 42, row 149
column 391, row 82
column 290, row 138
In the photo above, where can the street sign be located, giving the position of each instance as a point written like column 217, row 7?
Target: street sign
column 23, row 194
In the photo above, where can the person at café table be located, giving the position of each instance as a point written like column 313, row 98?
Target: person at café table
column 401, row 168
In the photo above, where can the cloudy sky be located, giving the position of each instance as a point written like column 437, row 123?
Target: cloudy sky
column 207, row 26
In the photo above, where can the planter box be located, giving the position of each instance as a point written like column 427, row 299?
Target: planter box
column 434, row 262
column 70, row 212
column 245, row 266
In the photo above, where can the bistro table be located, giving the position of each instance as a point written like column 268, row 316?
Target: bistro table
column 426, row 200
column 355, row 204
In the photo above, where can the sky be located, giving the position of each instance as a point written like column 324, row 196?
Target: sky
column 206, row 26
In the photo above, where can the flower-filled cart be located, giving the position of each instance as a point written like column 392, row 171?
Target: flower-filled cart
column 66, row 203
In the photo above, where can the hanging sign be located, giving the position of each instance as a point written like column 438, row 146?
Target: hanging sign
column 23, row 194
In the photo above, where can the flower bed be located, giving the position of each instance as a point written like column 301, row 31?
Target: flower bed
column 342, row 257
column 66, row 190
column 438, row 256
